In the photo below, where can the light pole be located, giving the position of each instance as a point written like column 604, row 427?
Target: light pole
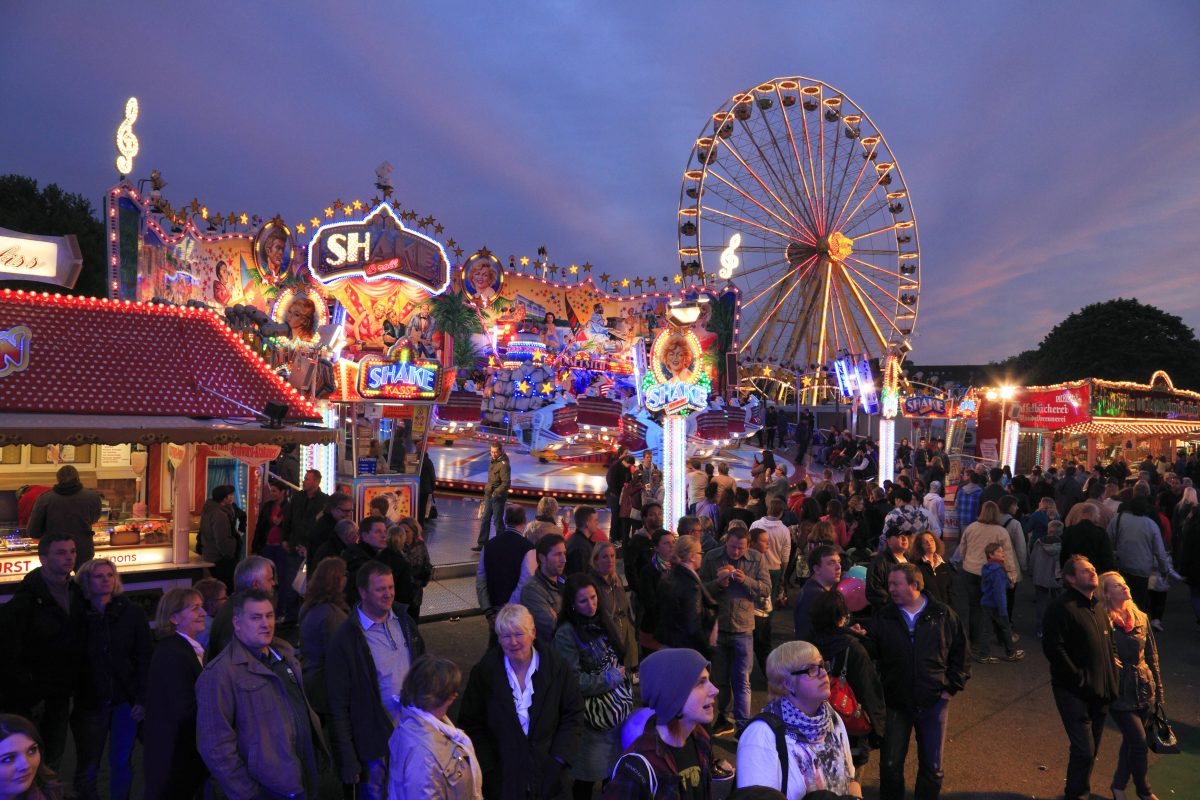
column 1008, row 438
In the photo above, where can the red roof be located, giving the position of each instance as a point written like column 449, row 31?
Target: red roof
column 92, row 356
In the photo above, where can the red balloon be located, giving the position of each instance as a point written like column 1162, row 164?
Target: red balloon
column 855, row 592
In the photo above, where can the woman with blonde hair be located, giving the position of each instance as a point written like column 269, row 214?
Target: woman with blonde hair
column 818, row 750
column 1140, row 682
column 172, row 766
column 546, row 520
column 614, row 600
column 111, row 698
column 687, row 613
column 405, row 538
column 971, row 555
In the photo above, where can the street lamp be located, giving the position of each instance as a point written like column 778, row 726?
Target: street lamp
column 1008, row 438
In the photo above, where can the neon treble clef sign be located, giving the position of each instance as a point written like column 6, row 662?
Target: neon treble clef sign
column 127, row 142
column 729, row 257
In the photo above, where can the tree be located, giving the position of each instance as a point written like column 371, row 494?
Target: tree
column 1120, row 339
column 452, row 315
column 54, row 212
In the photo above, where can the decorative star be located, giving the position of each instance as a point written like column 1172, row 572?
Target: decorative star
column 767, row 371
column 374, row 202
column 244, row 219
column 451, row 243
column 547, row 387
column 523, row 387
column 524, row 261
column 553, row 269
column 679, row 279
column 638, row 282
column 538, row 356
column 358, row 204
column 587, row 267
column 347, row 210
column 652, row 281
column 315, row 221
column 439, row 228
column 458, row 251
column 338, row 203
column 329, row 213
column 624, row 283
column 604, row 277
column 574, row 269
column 300, row 227
column 387, row 191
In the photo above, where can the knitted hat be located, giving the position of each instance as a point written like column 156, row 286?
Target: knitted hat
column 668, row 677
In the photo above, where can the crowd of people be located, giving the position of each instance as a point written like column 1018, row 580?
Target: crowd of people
column 585, row 623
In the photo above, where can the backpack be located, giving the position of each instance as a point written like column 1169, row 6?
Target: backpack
column 652, row 779
column 775, row 723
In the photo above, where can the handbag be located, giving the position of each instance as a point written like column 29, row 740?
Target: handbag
column 1160, row 736
column 844, row 702
column 603, row 712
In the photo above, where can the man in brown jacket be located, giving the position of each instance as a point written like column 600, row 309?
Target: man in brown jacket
column 254, row 728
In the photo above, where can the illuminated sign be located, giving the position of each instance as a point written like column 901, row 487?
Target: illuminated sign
column 403, row 378
column 127, row 142
column 45, row 259
column 847, row 377
column 378, row 247
column 676, row 384
column 924, row 405
column 866, row 387
column 14, row 350
column 729, row 257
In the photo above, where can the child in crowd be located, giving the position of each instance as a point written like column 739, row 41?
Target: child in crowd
column 995, row 605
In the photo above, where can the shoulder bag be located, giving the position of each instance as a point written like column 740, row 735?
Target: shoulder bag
column 603, row 712
column 844, row 702
column 1160, row 736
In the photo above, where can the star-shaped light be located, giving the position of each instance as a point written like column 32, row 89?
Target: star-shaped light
column 358, row 204
column 374, row 202
column 451, row 243
column 679, row 279
column 524, row 261
column 523, row 387
column 244, row 218
column 574, row 269
column 439, row 228
column 329, row 213
column 652, row 281
column 767, row 371
column 587, row 267
column 538, row 356
column 315, row 221
column 300, row 227
column 637, row 282
column 604, row 277
column 547, row 387
column 458, row 251
column 624, row 283
column 338, row 203
column 347, row 210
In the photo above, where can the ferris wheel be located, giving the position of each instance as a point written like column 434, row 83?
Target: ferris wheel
column 792, row 193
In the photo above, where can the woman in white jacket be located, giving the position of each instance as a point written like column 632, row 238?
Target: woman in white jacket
column 430, row 758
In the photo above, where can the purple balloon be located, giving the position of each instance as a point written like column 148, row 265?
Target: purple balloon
column 855, row 592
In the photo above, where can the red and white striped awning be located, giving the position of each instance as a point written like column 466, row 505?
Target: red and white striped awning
column 1132, row 427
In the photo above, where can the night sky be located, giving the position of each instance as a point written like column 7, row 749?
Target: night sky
column 1052, row 150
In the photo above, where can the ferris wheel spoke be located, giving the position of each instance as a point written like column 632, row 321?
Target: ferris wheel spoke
column 804, row 207
column 800, row 231
column 862, row 301
column 770, row 315
column 796, row 154
column 868, row 280
column 821, row 229
column 865, row 217
column 754, row 213
column 745, row 248
column 869, row 252
column 805, row 265
column 767, row 266
column 834, row 186
column 876, row 232
column 733, row 151
column 857, row 179
column 745, row 221
column 848, row 313
column 876, row 267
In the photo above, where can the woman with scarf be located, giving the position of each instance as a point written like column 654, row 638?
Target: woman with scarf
column 1140, row 682
column 588, row 641
column 927, row 551
column 818, row 751
column 430, row 758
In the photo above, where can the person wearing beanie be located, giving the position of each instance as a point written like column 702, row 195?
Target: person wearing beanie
column 672, row 757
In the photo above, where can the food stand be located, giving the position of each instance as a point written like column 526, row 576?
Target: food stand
column 138, row 397
column 1093, row 420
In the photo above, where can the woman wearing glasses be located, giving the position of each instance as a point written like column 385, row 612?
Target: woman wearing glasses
column 818, row 751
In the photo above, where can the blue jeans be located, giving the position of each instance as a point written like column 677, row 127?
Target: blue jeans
column 732, row 661
column 92, row 728
column 374, row 787
column 493, row 512
column 930, row 724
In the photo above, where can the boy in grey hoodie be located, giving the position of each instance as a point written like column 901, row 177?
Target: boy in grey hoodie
column 1043, row 563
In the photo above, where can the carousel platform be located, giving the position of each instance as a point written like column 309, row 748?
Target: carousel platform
column 462, row 468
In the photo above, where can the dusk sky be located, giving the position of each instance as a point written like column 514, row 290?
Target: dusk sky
column 1052, row 150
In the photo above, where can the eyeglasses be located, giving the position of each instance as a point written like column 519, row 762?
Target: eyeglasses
column 347, row 510
column 812, row 670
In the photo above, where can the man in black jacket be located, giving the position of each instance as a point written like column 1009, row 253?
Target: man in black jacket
column 368, row 657
column 878, row 594
column 923, row 663
column 1083, row 677
column 373, row 546
column 43, row 631
column 499, row 568
column 339, row 507
column 303, row 511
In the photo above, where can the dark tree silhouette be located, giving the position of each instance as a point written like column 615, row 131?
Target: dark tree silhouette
column 1119, row 339
column 54, row 212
